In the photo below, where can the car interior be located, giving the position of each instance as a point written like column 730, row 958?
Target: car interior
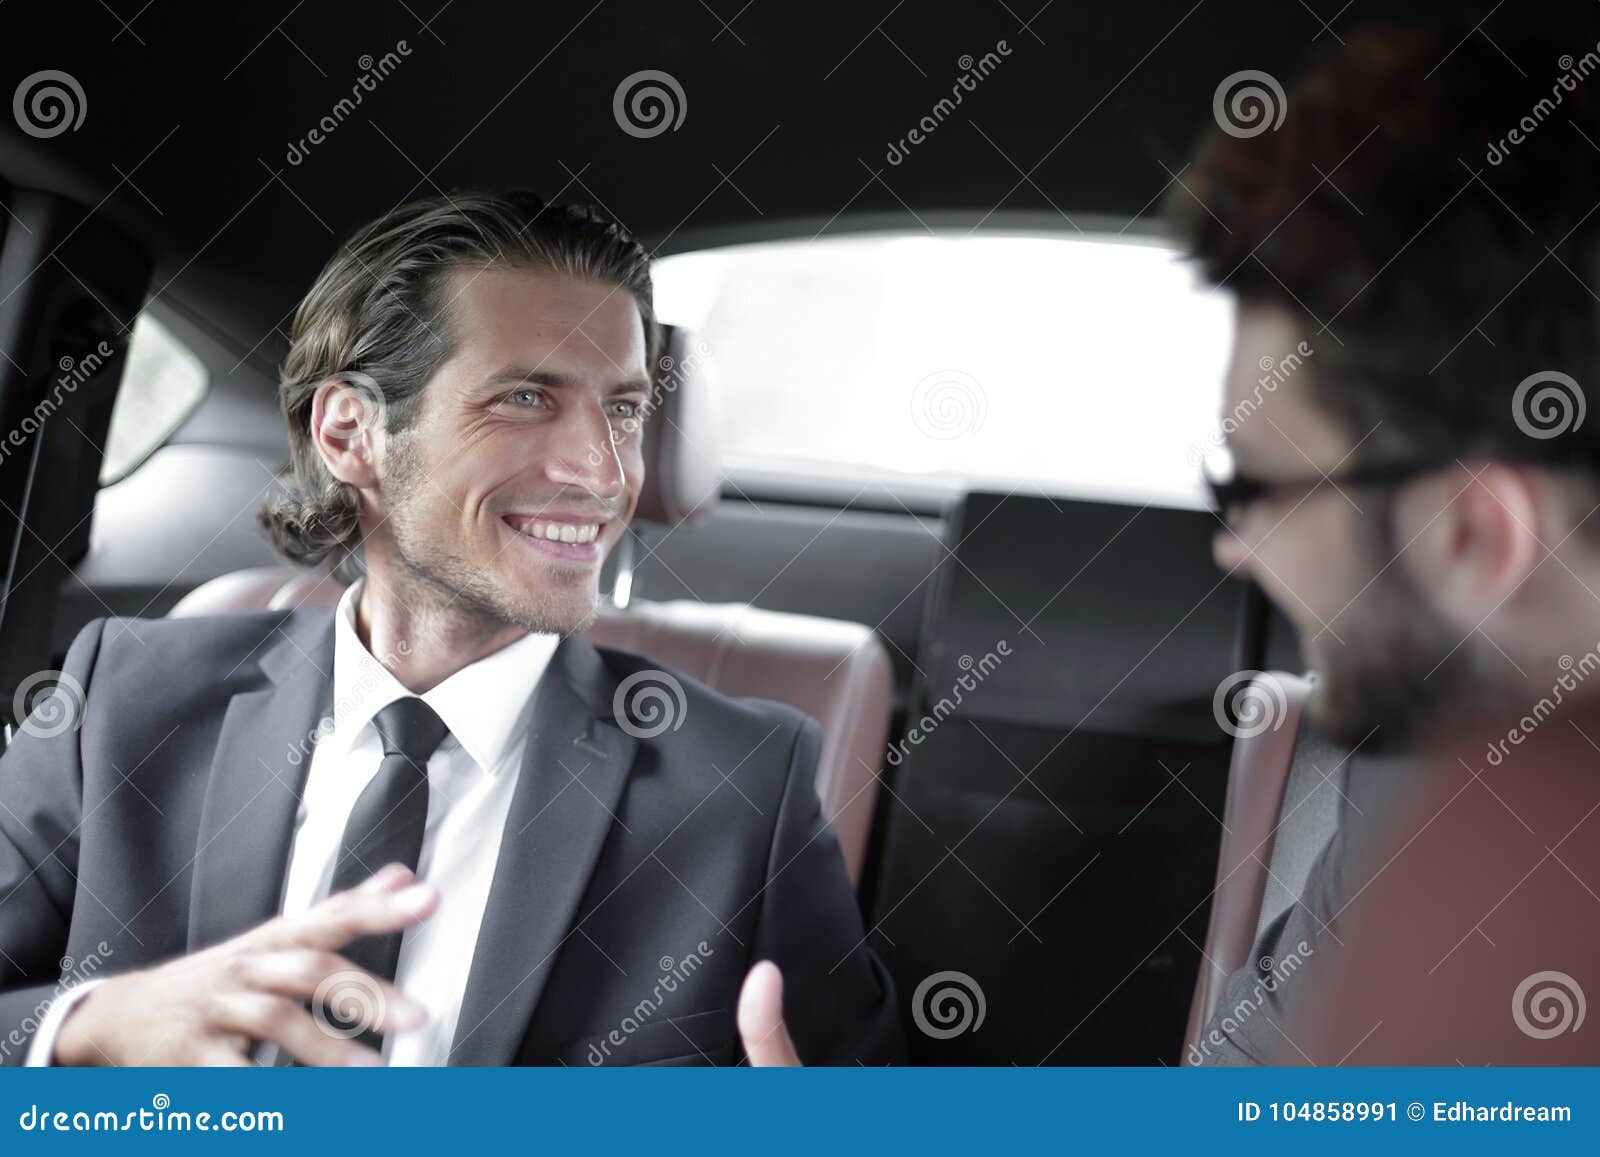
column 926, row 462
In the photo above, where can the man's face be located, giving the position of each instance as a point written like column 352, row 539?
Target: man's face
column 523, row 464
column 1326, row 555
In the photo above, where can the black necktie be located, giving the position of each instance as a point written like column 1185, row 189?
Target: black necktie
column 386, row 827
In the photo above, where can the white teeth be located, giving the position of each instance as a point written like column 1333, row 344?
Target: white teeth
column 562, row 531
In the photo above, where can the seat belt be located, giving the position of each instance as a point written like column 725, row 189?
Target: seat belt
column 1318, row 773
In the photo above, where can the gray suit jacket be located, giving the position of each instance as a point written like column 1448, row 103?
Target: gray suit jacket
column 638, row 879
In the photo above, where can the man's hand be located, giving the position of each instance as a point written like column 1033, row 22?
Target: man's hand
column 210, row 1008
column 761, row 1027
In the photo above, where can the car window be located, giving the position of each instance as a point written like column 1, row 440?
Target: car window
column 1065, row 364
column 161, row 385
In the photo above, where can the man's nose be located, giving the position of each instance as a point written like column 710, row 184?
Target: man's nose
column 1229, row 551
column 584, row 454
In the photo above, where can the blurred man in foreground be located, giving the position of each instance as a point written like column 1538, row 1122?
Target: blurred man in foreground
column 1420, row 499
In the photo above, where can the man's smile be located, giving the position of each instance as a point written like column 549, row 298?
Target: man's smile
column 575, row 538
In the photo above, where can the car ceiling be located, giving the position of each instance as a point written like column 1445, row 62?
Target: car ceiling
column 789, row 113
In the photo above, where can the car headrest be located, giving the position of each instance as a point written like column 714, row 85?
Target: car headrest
column 682, row 467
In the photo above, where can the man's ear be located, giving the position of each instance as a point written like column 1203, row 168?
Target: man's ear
column 347, row 430
column 1474, row 536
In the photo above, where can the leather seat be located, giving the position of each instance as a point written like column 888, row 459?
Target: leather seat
column 1258, row 778
column 835, row 671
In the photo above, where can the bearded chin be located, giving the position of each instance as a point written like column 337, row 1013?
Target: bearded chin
column 1400, row 672
column 560, row 608
column 564, row 602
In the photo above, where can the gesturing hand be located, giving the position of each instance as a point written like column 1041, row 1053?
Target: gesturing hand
column 210, row 1007
column 761, row 1027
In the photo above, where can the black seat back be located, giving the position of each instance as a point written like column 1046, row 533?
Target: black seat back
column 1053, row 835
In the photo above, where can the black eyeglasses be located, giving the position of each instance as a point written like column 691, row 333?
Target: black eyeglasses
column 1232, row 495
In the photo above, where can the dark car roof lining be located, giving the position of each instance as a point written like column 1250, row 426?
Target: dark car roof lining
column 191, row 108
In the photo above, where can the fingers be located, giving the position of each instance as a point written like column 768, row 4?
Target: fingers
column 285, row 1023
column 389, row 878
column 216, row 1055
column 390, row 901
column 273, row 972
column 307, row 973
column 761, row 1027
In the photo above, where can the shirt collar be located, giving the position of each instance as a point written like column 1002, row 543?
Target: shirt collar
column 484, row 704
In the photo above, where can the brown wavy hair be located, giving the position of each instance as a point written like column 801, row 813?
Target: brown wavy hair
column 377, row 314
column 1402, row 211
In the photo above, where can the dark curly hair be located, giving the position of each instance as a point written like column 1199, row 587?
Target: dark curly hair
column 376, row 316
column 1427, row 207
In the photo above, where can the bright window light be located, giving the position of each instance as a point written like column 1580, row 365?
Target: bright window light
column 162, row 383
column 1068, row 366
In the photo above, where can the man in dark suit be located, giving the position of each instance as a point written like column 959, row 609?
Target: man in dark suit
column 435, row 826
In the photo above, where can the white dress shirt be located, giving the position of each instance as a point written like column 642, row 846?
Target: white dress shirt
column 471, row 778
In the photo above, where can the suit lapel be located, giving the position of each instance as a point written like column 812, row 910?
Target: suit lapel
column 257, row 776
column 573, row 770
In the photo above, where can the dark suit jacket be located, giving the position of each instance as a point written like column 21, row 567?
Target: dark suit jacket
column 638, row 879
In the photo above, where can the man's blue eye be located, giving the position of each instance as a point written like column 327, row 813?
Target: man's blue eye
column 524, row 397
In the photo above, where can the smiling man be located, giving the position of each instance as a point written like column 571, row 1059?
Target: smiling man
column 427, row 827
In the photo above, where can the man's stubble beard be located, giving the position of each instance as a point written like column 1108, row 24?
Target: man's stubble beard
column 449, row 587
column 1402, row 671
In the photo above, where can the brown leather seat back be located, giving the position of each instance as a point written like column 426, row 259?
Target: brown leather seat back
column 1257, row 779
column 834, row 671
